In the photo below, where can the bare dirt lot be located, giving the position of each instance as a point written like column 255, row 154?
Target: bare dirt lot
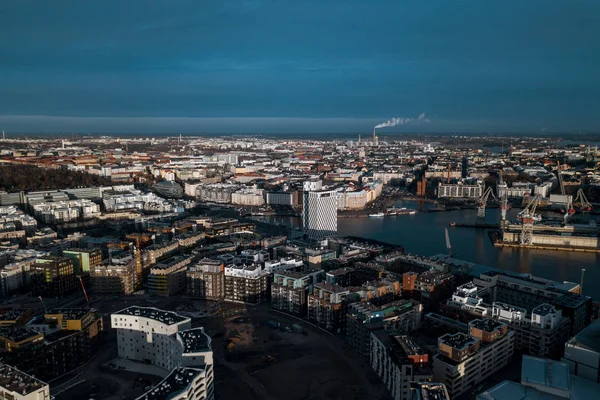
column 268, row 363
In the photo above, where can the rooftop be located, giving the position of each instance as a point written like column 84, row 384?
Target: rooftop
column 544, row 309
column 458, row 340
column 432, row 391
column 17, row 334
column 71, row 313
column 542, row 371
column 195, row 340
column 12, row 314
column 487, row 325
column 588, row 338
column 166, row 317
column 16, row 381
column 178, row 381
column 340, row 271
column 331, row 287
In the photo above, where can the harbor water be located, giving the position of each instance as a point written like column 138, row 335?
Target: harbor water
column 423, row 233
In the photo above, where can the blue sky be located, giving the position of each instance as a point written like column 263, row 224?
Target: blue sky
column 299, row 66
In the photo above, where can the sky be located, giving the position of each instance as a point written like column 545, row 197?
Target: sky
column 235, row 66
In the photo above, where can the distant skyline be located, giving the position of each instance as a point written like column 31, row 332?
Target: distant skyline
column 267, row 66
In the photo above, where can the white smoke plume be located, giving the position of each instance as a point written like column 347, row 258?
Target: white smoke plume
column 403, row 121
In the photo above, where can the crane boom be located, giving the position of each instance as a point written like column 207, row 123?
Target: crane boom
column 482, row 204
column 448, row 244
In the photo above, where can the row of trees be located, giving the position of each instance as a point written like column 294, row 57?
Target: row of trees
column 14, row 178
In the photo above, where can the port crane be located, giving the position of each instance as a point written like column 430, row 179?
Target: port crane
column 503, row 198
column 569, row 206
column 528, row 217
column 584, row 205
column 482, row 204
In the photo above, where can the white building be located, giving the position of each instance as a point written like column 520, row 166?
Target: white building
column 166, row 340
column 17, row 385
column 319, row 216
column 248, row 197
column 65, row 211
column 460, row 190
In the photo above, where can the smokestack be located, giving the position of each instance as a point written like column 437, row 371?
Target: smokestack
column 581, row 283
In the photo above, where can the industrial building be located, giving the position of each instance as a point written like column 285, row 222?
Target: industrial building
column 465, row 360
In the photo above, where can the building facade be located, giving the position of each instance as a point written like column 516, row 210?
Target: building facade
column 166, row 340
column 319, row 215
column 206, row 280
column 398, row 361
column 464, row 360
column 246, row 284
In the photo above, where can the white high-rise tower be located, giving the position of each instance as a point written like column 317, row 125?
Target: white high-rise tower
column 319, row 216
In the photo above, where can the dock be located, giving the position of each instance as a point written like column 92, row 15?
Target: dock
column 548, row 247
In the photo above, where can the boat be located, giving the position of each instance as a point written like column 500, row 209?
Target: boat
column 413, row 212
column 378, row 215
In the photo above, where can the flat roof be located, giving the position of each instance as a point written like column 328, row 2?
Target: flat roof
column 433, row 391
column 166, row 317
column 542, row 371
column 588, row 338
column 17, row 381
column 17, row 334
column 487, row 325
column 176, row 382
column 71, row 313
column 195, row 340
column 12, row 314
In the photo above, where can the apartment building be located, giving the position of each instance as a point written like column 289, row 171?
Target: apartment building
column 17, row 385
column 529, row 292
column 246, row 284
column 326, row 306
column 168, row 277
column 206, row 280
column 543, row 334
column 119, row 276
column 166, row 340
column 464, row 360
column 363, row 318
column 52, row 277
column 152, row 253
column 399, row 362
column 459, row 190
column 289, row 290
column 54, row 343
column 84, row 260
column 432, row 286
